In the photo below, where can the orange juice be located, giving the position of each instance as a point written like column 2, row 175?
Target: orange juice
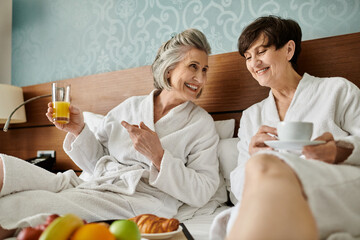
column 61, row 112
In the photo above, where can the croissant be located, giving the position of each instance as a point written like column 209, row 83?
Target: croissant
column 150, row 223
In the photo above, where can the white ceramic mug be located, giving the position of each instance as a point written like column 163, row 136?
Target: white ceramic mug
column 294, row 131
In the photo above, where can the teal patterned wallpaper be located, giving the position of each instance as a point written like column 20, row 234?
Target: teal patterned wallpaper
column 60, row 39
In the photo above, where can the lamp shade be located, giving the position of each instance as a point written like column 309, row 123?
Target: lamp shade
column 10, row 98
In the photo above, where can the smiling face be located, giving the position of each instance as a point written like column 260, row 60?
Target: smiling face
column 268, row 65
column 189, row 76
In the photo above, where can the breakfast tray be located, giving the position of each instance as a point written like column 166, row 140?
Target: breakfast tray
column 184, row 235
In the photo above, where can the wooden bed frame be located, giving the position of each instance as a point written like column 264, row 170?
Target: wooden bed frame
column 230, row 90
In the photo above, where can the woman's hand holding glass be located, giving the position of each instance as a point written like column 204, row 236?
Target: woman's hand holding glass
column 76, row 123
column 265, row 133
column 146, row 142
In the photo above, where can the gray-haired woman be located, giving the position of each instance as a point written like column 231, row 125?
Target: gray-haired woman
column 151, row 154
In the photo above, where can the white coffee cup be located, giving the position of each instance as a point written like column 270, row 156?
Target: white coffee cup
column 294, row 131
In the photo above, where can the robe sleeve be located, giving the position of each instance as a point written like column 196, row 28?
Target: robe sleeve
column 238, row 174
column 195, row 182
column 349, row 111
column 85, row 149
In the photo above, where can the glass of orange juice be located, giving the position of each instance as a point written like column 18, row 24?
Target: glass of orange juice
column 61, row 102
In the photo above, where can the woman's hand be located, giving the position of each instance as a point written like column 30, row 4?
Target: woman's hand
column 76, row 124
column 328, row 152
column 146, row 142
column 262, row 135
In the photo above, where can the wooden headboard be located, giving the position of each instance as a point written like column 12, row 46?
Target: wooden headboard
column 230, row 90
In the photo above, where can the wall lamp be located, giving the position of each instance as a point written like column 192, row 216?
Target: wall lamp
column 12, row 100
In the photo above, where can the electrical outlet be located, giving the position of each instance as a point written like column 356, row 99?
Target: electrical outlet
column 45, row 159
column 41, row 153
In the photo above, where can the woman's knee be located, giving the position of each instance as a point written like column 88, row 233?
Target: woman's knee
column 266, row 165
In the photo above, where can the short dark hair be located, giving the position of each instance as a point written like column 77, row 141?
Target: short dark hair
column 278, row 32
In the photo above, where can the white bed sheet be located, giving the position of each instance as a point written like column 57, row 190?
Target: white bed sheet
column 199, row 226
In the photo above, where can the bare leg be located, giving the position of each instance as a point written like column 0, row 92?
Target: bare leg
column 273, row 206
column 6, row 233
column 1, row 173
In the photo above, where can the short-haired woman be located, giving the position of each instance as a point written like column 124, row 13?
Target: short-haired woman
column 281, row 194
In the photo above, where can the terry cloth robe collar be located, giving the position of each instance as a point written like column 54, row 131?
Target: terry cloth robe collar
column 148, row 116
column 270, row 109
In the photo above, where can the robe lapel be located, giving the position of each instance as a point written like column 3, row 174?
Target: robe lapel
column 302, row 94
column 294, row 111
column 270, row 111
column 147, row 110
column 175, row 116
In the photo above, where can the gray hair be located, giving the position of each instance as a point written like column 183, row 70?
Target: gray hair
column 173, row 51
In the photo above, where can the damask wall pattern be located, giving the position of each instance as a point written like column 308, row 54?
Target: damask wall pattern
column 60, row 39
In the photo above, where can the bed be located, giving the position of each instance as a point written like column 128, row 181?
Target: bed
column 230, row 90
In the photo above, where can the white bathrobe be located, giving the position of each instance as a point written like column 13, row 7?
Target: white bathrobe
column 333, row 105
column 123, row 182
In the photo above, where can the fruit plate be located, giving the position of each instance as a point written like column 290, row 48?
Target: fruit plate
column 166, row 235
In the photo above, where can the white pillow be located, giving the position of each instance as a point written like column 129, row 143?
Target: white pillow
column 225, row 128
column 93, row 120
column 228, row 156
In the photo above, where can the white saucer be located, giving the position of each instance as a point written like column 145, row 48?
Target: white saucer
column 161, row 235
column 291, row 145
